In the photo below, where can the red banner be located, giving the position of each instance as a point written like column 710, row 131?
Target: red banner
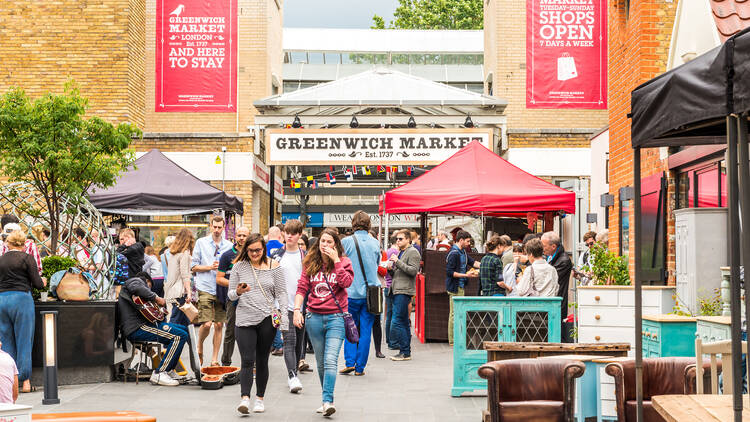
column 566, row 54
column 196, row 55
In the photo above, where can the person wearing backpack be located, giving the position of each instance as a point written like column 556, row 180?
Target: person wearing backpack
column 456, row 264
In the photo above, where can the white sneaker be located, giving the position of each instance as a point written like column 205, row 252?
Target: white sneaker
column 162, row 378
column 295, row 385
column 328, row 409
column 244, row 407
column 319, row 410
column 259, row 407
column 175, row 376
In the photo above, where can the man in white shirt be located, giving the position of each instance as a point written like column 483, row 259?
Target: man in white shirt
column 290, row 256
column 205, row 262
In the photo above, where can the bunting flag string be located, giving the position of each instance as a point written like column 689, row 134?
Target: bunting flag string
column 348, row 172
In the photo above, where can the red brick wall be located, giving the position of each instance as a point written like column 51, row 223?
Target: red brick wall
column 638, row 51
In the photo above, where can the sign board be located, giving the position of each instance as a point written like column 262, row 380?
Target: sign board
column 368, row 146
column 262, row 178
column 394, row 220
column 196, row 56
column 566, row 54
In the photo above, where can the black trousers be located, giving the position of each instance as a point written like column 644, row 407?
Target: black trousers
column 255, row 343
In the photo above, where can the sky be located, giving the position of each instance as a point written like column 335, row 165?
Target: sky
column 336, row 13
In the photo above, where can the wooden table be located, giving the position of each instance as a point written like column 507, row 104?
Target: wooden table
column 515, row 350
column 698, row 407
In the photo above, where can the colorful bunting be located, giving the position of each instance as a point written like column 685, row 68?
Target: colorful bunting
column 349, row 175
column 297, row 186
column 309, row 181
column 409, row 170
column 367, row 171
column 381, row 169
column 331, row 178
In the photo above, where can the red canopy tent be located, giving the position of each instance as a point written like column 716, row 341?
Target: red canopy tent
column 472, row 181
column 477, row 181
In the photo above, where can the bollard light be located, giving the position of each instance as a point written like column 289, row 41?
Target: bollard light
column 49, row 332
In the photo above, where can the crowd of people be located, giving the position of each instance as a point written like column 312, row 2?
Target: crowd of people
column 282, row 294
column 255, row 289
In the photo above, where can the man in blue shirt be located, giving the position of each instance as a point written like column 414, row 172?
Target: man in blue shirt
column 205, row 262
column 356, row 354
column 456, row 264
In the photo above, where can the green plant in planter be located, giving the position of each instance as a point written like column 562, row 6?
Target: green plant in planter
column 608, row 268
column 51, row 265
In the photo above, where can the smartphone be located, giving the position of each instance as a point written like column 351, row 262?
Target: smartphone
column 243, row 285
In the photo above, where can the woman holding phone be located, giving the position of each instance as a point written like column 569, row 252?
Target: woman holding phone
column 256, row 282
column 325, row 276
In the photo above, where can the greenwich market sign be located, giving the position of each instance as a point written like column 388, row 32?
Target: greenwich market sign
column 368, row 146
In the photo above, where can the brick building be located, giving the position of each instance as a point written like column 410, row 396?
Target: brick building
column 108, row 48
column 646, row 39
column 540, row 141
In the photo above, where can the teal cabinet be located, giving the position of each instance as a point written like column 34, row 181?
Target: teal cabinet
column 510, row 319
column 668, row 335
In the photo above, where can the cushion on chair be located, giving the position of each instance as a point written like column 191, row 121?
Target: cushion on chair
column 649, row 413
column 532, row 379
column 536, row 410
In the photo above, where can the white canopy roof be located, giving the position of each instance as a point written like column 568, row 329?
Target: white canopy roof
column 381, row 87
column 378, row 40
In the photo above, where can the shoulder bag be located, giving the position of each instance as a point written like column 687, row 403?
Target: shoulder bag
column 375, row 292
column 275, row 313
column 350, row 328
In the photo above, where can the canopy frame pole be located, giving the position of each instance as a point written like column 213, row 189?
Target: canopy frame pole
column 744, row 160
column 271, row 186
column 484, row 234
column 380, row 223
column 734, row 264
column 637, row 284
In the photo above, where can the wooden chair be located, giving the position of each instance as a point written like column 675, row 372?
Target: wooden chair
column 723, row 348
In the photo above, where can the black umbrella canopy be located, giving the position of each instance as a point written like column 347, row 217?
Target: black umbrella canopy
column 688, row 104
column 155, row 182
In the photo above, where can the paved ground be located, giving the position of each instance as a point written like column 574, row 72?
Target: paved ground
column 418, row 390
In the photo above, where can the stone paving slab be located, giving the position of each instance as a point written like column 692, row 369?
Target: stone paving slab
column 413, row 391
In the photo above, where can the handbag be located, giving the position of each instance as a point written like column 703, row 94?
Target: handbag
column 190, row 311
column 374, row 293
column 275, row 313
column 350, row 328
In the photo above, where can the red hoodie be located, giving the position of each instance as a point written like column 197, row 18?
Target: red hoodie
column 320, row 300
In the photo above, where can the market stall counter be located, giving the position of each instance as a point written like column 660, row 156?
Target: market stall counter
column 85, row 341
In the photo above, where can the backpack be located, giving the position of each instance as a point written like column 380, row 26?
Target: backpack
column 122, row 270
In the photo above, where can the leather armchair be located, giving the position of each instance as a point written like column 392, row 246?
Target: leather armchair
column 531, row 389
column 670, row 375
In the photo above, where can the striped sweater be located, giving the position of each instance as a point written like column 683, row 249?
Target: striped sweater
column 253, row 307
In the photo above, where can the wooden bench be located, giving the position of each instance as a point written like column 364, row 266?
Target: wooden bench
column 505, row 350
column 121, row 416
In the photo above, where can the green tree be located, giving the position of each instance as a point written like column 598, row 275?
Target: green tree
column 49, row 143
column 435, row 14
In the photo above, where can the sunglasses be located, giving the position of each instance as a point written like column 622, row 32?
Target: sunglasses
column 589, row 244
column 255, row 250
column 400, row 238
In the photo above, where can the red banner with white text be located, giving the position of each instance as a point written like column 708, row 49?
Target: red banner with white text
column 566, row 54
column 196, row 55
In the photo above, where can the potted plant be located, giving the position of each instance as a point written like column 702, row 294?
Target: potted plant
column 607, row 268
column 51, row 265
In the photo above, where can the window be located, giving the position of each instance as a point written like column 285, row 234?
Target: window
column 702, row 186
column 626, row 194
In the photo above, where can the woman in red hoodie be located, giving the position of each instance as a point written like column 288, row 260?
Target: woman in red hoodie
column 325, row 276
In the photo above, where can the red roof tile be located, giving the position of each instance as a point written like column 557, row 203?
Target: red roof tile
column 731, row 16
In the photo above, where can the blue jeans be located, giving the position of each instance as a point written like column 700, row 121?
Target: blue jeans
column 17, row 329
column 401, row 328
column 356, row 354
column 326, row 334
column 172, row 336
column 388, row 318
column 278, row 343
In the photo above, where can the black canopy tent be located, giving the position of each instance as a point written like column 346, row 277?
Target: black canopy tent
column 705, row 101
column 155, row 185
